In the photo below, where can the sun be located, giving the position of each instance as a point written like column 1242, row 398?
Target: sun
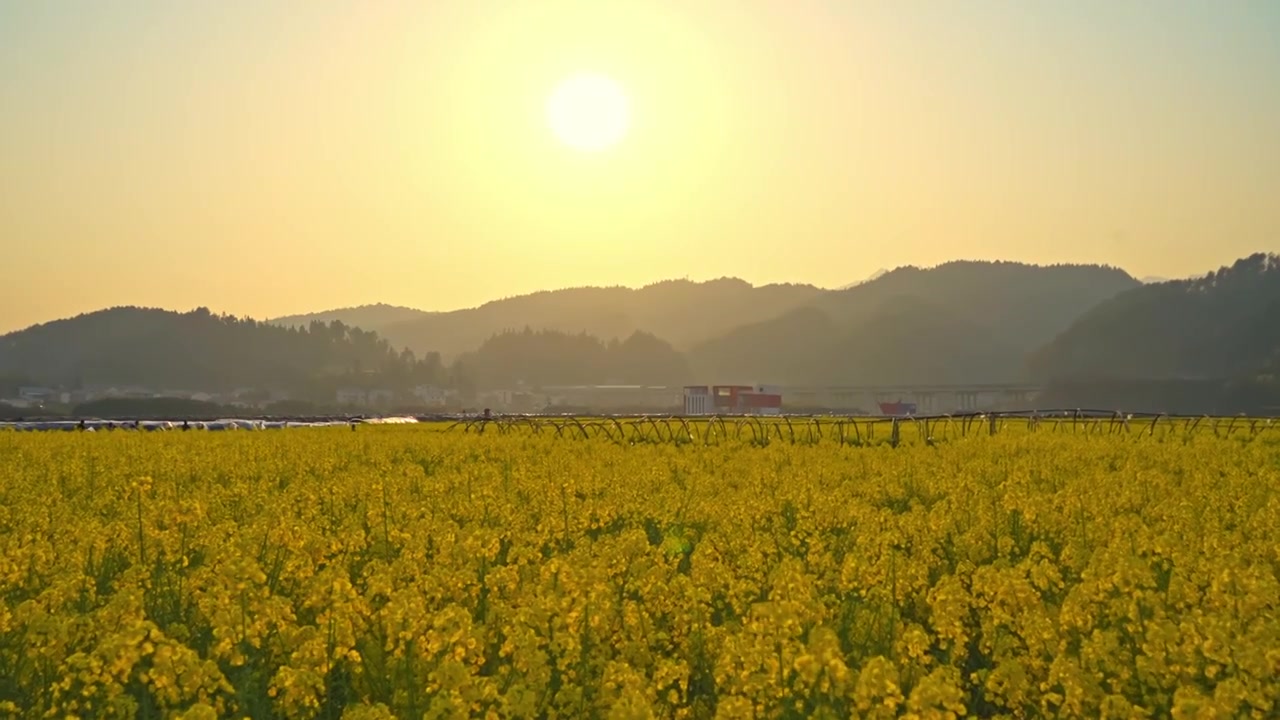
column 589, row 112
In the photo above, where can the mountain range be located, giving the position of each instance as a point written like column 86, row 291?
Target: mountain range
column 962, row 322
column 679, row 311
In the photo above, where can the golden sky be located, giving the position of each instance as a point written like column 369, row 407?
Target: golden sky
column 266, row 158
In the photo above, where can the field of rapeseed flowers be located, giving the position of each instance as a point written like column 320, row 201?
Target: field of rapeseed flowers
column 405, row 572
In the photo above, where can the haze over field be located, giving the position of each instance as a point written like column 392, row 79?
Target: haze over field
column 274, row 158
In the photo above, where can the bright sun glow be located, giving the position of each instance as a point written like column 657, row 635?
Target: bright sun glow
column 589, row 112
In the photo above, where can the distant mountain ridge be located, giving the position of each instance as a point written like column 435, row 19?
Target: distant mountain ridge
column 695, row 316
column 959, row 322
column 962, row 322
column 368, row 317
column 681, row 312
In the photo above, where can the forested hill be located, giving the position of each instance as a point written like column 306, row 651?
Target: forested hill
column 961, row 322
column 1224, row 325
column 549, row 357
column 199, row 350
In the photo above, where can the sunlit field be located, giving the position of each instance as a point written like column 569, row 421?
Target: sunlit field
column 535, row 572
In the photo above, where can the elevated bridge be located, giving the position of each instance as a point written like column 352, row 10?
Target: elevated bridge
column 928, row 399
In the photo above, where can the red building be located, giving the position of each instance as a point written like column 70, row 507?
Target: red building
column 731, row 400
column 897, row 409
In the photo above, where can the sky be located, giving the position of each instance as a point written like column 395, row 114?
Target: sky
column 267, row 157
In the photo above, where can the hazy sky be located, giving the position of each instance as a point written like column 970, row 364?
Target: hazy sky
column 266, row 158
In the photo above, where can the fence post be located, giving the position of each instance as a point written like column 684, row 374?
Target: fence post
column 991, row 421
